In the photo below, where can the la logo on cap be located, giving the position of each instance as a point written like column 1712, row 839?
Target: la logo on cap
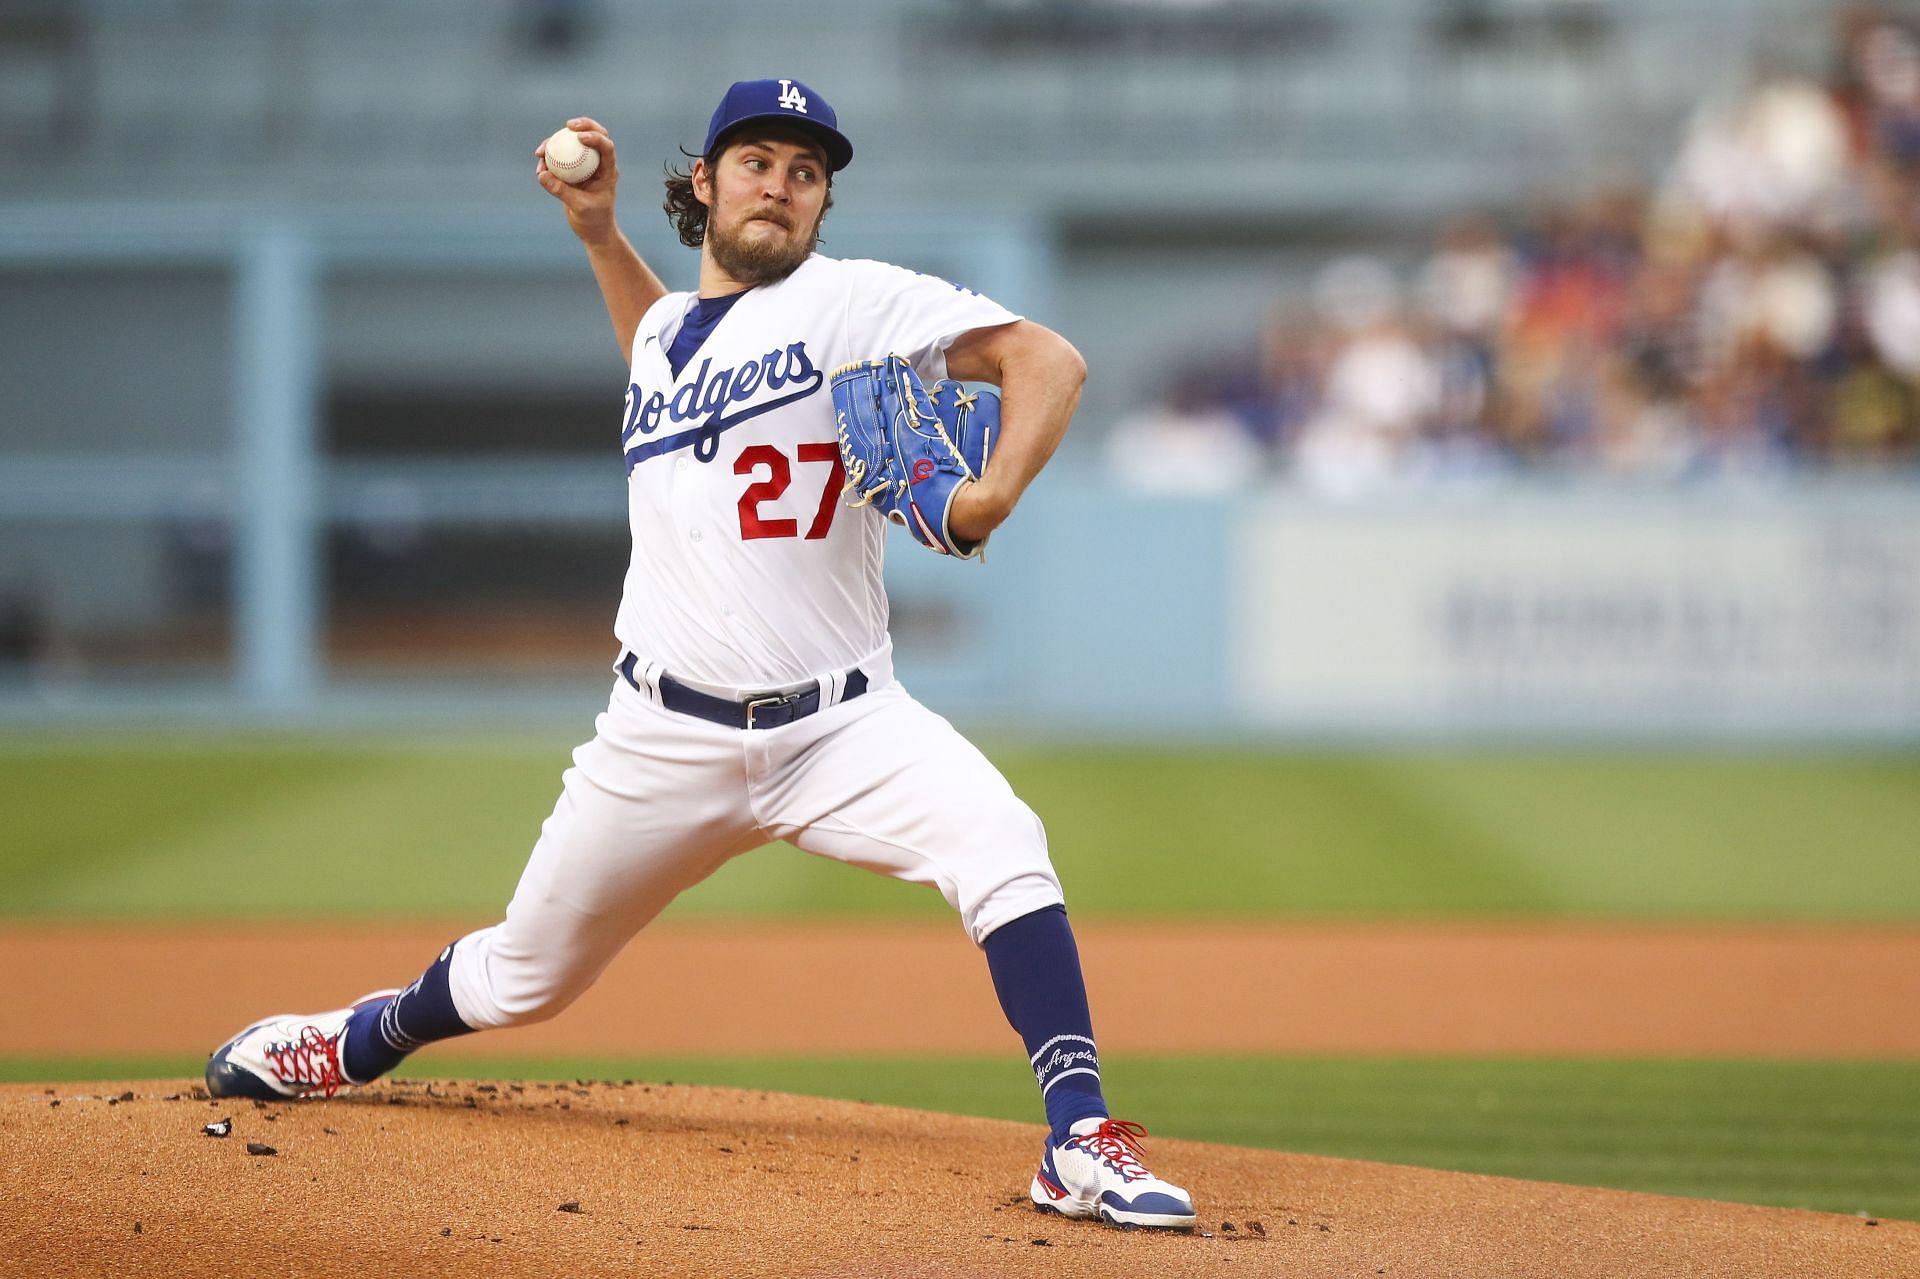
column 774, row 100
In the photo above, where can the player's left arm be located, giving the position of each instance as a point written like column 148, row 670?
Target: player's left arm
column 1039, row 374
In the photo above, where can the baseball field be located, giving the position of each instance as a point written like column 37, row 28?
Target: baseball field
column 1668, row 973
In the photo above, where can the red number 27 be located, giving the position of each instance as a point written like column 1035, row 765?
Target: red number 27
column 779, row 476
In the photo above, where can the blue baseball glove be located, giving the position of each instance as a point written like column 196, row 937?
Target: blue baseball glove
column 907, row 449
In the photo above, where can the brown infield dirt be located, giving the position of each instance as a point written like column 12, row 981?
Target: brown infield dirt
column 645, row 1178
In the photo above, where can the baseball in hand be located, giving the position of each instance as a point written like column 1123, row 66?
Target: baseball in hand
column 568, row 160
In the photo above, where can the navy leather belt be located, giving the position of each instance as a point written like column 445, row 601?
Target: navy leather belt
column 768, row 711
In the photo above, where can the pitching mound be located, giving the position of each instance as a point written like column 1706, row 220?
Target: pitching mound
column 462, row 1178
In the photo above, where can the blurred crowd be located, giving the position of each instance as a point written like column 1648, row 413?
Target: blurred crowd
column 1758, row 312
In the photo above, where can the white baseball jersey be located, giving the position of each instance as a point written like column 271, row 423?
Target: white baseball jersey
column 750, row 574
column 748, row 571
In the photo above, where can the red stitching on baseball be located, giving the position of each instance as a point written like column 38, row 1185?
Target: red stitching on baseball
column 585, row 150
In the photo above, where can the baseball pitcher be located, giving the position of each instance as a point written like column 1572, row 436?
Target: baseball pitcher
column 776, row 422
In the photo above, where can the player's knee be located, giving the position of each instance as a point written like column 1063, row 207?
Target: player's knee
column 524, row 1008
column 1009, row 899
column 538, row 996
column 1018, row 880
column 497, row 983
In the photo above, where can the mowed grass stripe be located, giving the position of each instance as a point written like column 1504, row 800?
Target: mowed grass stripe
column 212, row 827
column 1840, row 1137
column 215, row 826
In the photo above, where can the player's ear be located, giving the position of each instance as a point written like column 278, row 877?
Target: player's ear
column 702, row 182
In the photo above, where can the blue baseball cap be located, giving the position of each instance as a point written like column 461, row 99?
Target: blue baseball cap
column 788, row 101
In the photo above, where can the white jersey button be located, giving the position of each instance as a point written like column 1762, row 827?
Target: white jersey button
column 694, row 534
column 681, row 465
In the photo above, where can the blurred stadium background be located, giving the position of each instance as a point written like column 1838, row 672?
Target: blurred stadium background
column 1465, row 365
column 1463, row 372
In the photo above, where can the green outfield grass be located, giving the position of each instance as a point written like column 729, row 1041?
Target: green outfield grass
column 212, row 826
column 1841, row 1137
column 219, row 826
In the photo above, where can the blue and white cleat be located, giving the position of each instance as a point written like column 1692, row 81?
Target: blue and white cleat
column 286, row 1057
column 1097, row 1172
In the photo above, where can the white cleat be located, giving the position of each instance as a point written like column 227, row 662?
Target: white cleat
column 1097, row 1172
column 286, row 1057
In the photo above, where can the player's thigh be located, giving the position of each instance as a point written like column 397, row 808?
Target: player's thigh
column 652, row 805
column 896, row 789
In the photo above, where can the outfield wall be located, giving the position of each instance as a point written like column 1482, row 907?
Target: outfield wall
column 1790, row 613
column 1776, row 613
column 1548, row 611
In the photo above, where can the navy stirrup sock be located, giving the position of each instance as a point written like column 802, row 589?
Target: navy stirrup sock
column 381, row 1034
column 1036, row 973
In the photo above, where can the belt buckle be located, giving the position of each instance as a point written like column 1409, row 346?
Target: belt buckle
column 754, row 704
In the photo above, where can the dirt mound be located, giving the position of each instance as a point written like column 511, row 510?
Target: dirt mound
column 458, row 1178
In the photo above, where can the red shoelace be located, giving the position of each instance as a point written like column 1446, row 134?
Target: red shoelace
column 1117, row 1143
column 311, row 1062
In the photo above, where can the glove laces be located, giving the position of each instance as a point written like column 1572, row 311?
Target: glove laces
column 311, row 1062
column 856, row 471
column 1117, row 1144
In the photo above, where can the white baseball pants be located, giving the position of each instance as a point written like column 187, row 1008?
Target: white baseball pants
column 658, row 800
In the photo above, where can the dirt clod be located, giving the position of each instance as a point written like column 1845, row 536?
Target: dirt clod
column 260, row 1148
column 571, row 1205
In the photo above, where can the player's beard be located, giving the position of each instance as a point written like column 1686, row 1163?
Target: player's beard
column 754, row 260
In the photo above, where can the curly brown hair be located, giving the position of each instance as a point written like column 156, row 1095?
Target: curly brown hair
column 684, row 210
column 683, row 207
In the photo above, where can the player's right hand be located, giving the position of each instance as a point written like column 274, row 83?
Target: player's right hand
column 590, row 205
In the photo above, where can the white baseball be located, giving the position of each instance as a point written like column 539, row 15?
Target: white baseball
column 570, row 161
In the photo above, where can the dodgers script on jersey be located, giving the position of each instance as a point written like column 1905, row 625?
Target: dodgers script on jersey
column 748, row 571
